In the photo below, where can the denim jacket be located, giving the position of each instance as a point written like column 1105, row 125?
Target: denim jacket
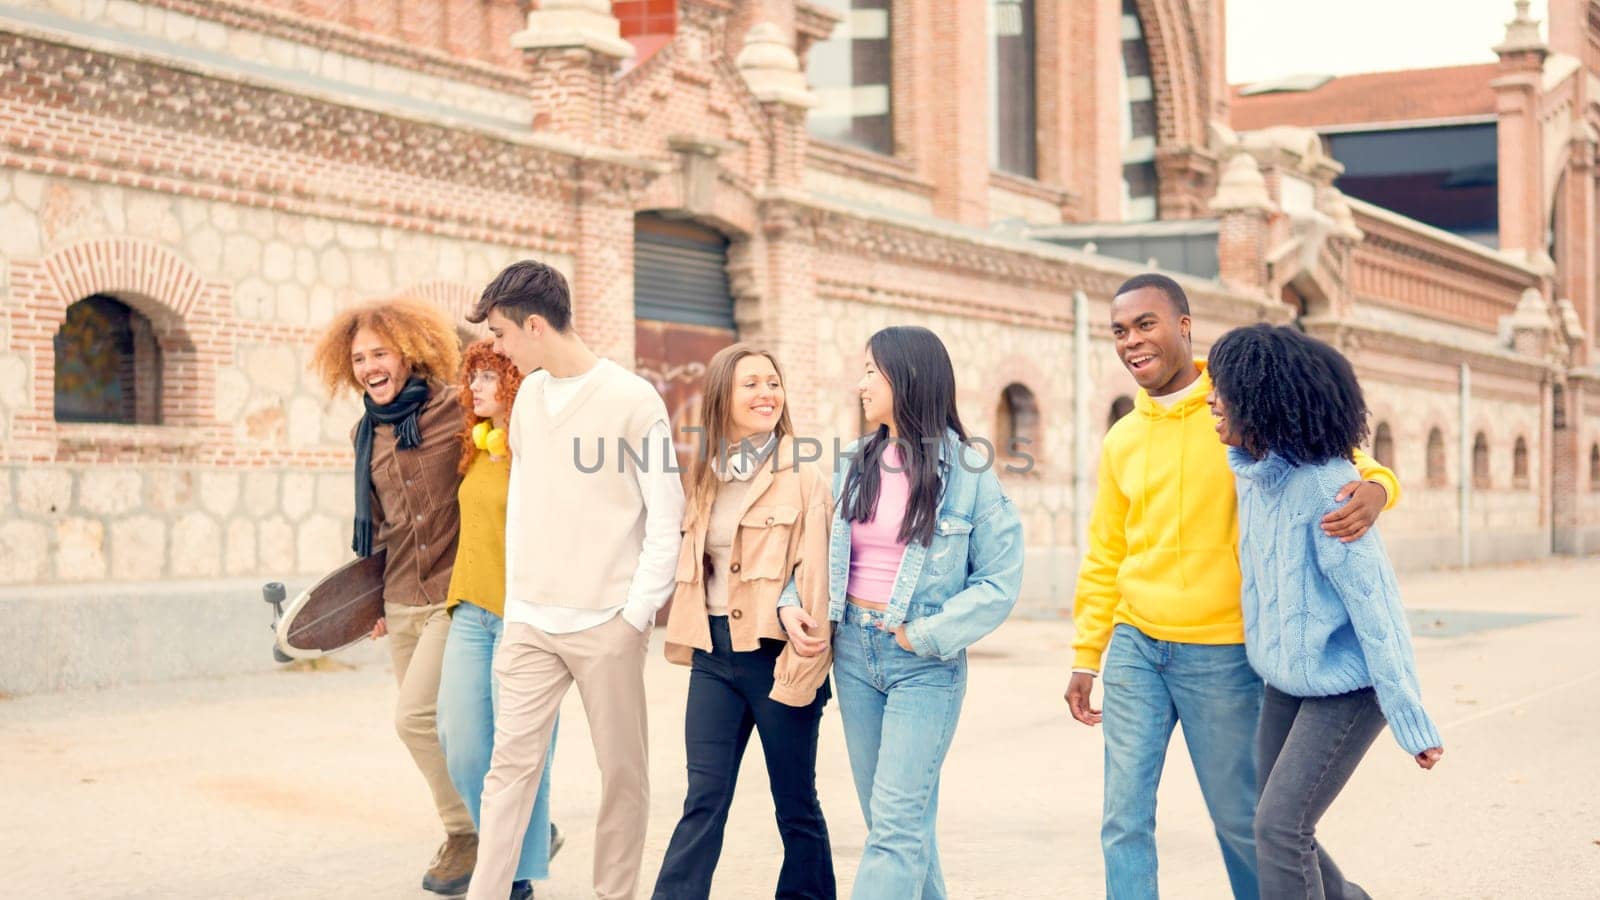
column 961, row 587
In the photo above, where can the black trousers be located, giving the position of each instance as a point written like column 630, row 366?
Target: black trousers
column 727, row 700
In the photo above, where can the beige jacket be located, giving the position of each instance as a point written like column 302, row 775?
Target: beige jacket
column 782, row 533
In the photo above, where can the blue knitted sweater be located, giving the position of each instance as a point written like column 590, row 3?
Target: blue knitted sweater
column 1322, row 617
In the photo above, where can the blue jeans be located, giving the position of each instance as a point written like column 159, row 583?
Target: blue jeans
column 899, row 712
column 1308, row 748
column 468, row 699
column 1150, row 686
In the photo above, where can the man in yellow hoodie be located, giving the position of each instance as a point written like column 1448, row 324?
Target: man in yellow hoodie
column 1162, row 577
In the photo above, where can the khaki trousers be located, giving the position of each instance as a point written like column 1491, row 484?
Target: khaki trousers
column 534, row 670
column 416, row 643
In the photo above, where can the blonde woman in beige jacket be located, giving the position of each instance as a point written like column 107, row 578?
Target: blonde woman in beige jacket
column 756, row 523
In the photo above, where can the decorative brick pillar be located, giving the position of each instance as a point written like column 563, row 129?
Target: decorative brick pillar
column 1245, row 212
column 772, row 72
column 959, row 155
column 1568, row 463
column 1517, row 90
column 779, row 302
column 1185, row 177
column 466, row 28
column 602, row 285
column 573, row 49
column 1576, row 244
column 1532, row 331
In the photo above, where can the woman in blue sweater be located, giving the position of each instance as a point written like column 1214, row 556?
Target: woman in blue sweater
column 1323, row 623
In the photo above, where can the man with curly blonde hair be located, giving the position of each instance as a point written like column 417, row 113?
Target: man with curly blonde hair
column 400, row 355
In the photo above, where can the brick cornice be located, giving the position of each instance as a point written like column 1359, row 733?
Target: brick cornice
column 875, row 168
column 1020, row 264
column 1059, row 195
column 325, row 35
column 67, row 110
column 1363, row 337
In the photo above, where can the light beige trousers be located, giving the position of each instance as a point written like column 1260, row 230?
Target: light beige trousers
column 416, row 643
column 534, row 670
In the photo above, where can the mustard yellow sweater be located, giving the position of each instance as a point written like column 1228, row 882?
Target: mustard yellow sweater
column 479, row 576
column 1164, row 535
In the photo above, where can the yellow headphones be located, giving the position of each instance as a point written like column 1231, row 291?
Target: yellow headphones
column 487, row 437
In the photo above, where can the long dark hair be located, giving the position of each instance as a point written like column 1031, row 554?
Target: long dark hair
column 915, row 363
column 1288, row 393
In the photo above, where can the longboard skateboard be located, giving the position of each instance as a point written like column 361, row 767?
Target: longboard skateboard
column 337, row 611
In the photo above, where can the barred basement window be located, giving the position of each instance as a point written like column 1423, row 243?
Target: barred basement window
column 850, row 72
column 1013, row 105
column 1383, row 446
column 1437, row 477
column 108, row 365
column 1519, row 462
column 1480, row 461
column 1139, row 121
column 1017, row 422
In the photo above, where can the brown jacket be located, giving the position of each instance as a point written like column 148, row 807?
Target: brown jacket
column 782, row 533
column 414, row 511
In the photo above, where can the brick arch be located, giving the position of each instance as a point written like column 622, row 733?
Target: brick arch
column 1018, row 370
column 181, row 307
column 125, row 267
column 454, row 298
column 1177, row 71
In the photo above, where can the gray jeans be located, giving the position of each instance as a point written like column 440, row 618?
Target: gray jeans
column 1307, row 748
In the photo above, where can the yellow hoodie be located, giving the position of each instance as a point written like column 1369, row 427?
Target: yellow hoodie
column 1164, row 535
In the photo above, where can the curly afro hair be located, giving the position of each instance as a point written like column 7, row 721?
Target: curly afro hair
column 1289, row 394
column 478, row 356
column 419, row 331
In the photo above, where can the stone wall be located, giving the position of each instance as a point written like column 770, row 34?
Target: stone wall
column 265, row 489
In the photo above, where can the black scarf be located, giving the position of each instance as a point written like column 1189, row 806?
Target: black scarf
column 402, row 413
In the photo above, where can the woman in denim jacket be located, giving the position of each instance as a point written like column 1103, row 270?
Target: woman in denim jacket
column 924, row 558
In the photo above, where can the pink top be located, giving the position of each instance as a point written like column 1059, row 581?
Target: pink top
column 875, row 545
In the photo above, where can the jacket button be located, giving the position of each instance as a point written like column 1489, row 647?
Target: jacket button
column 770, row 520
column 419, row 518
column 734, row 568
column 735, row 614
column 424, row 547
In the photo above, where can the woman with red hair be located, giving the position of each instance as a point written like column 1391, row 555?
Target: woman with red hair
column 476, row 602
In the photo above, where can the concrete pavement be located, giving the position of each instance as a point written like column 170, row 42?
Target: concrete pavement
column 293, row 784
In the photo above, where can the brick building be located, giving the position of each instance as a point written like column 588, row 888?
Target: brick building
column 189, row 190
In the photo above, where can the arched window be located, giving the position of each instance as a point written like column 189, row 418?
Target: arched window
column 1119, row 408
column 1480, row 461
column 1437, row 477
column 1383, row 445
column 850, row 72
column 108, row 365
column 1519, row 462
column 1016, row 422
column 1138, row 121
column 1013, row 108
column 1594, row 468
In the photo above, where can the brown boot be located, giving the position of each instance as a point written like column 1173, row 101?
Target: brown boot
column 452, row 866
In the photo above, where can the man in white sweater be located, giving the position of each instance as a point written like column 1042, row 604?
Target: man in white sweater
column 591, row 555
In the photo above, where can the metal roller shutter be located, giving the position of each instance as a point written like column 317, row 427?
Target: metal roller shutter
column 680, row 274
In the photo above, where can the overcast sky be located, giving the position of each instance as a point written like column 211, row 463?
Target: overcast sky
column 1272, row 38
